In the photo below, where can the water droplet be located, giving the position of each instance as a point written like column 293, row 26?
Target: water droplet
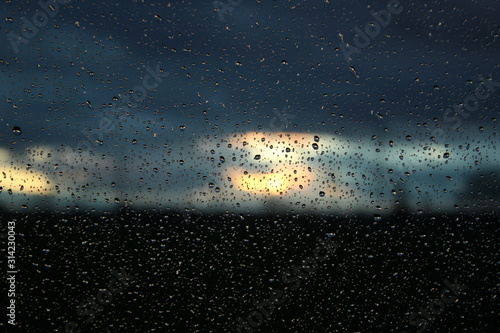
column 377, row 217
column 316, row 138
column 315, row 146
column 353, row 69
column 446, row 155
column 408, row 138
column 284, row 62
column 321, row 194
column 158, row 17
column 17, row 130
column 256, row 157
column 182, row 127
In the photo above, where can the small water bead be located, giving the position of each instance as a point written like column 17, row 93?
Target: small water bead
column 17, row 130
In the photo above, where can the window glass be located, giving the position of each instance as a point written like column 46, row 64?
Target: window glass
column 242, row 165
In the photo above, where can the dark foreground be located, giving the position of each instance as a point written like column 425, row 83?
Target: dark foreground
column 187, row 273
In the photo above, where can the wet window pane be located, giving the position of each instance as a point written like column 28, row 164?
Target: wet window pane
column 237, row 165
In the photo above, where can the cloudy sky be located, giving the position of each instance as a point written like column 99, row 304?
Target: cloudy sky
column 138, row 79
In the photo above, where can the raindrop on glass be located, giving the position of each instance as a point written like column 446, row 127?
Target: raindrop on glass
column 17, row 130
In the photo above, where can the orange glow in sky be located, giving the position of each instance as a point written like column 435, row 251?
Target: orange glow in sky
column 275, row 163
